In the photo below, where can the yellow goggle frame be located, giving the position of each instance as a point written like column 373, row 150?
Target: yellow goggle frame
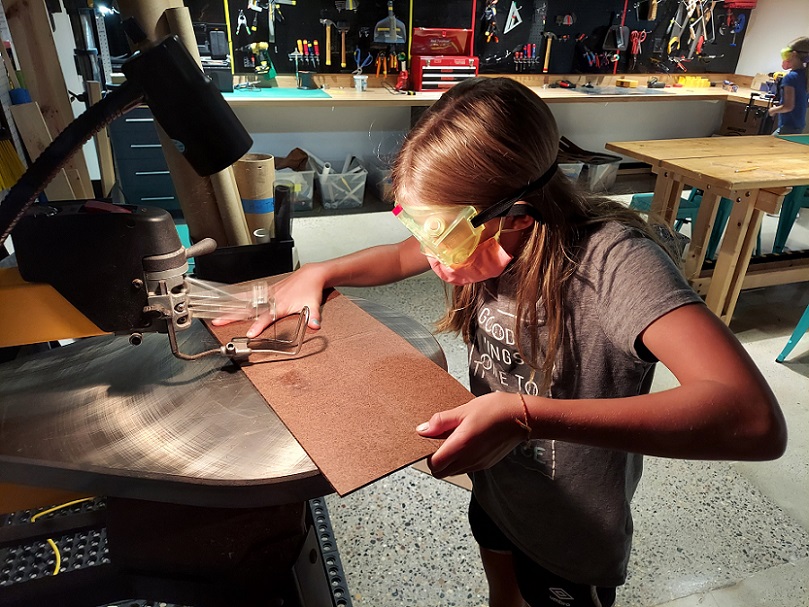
column 450, row 239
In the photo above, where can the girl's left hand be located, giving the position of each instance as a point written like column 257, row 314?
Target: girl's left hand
column 478, row 434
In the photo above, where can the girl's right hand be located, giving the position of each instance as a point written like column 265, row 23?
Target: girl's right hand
column 303, row 287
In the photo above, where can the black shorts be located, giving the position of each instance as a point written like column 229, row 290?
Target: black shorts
column 538, row 586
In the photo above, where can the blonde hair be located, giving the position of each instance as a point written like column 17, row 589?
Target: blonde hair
column 801, row 46
column 483, row 141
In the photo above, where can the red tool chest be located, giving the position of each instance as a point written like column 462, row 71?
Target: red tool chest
column 440, row 58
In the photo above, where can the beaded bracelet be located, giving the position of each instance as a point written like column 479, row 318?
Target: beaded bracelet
column 523, row 423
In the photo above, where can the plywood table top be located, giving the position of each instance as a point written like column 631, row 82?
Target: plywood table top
column 744, row 172
column 656, row 152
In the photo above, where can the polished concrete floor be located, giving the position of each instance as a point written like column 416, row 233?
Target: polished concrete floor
column 709, row 534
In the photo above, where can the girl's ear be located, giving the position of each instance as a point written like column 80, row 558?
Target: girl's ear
column 521, row 222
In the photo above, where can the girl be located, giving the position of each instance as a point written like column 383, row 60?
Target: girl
column 791, row 110
column 566, row 302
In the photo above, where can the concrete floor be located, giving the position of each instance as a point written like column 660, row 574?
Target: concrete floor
column 709, row 534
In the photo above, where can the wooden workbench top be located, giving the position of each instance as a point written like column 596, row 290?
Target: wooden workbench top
column 745, row 172
column 655, row 152
column 340, row 91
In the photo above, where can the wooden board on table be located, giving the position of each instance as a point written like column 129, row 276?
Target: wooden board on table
column 744, row 172
column 655, row 151
column 354, row 395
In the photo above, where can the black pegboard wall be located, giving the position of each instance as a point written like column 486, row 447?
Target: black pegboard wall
column 584, row 30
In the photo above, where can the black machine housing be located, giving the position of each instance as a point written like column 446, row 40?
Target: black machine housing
column 102, row 258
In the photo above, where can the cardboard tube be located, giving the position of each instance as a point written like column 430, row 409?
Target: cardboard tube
column 195, row 194
column 149, row 15
column 223, row 183
column 255, row 178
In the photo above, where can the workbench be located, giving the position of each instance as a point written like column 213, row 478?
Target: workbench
column 372, row 124
column 338, row 91
column 755, row 172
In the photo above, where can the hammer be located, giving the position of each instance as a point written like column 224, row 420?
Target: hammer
column 328, row 23
column 550, row 36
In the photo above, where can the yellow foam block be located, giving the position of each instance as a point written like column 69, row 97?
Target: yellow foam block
column 626, row 83
column 33, row 313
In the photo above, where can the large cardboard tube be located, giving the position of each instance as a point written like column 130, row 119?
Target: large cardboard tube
column 223, row 183
column 149, row 15
column 255, row 178
column 195, row 194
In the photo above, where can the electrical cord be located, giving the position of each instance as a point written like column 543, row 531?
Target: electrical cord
column 58, row 556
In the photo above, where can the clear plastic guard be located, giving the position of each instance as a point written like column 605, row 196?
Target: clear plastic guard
column 229, row 302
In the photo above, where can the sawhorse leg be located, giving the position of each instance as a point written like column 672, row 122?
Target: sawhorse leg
column 701, row 234
column 734, row 257
column 667, row 195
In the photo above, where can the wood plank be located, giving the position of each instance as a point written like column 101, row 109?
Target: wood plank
column 655, row 152
column 36, row 137
column 106, row 163
column 701, row 234
column 748, row 172
column 33, row 42
column 761, row 275
column 734, row 257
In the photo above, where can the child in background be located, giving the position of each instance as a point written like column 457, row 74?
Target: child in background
column 566, row 301
column 791, row 110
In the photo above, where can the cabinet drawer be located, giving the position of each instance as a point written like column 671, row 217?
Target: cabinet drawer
column 148, row 189
column 149, row 165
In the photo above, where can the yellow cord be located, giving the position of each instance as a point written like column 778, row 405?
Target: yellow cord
column 58, row 564
column 60, row 506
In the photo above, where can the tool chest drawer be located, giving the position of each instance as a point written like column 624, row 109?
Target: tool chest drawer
column 441, row 73
column 142, row 172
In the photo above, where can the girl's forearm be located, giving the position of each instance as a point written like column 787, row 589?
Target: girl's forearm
column 374, row 266
column 703, row 420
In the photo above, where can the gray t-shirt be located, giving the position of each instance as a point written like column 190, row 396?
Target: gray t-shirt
column 563, row 504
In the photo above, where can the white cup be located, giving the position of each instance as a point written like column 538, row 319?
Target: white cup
column 360, row 83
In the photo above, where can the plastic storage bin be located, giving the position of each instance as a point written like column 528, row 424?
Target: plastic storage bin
column 340, row 190
column 571, row 170
column 303, row 187
column 379, row 179
column 600, row 177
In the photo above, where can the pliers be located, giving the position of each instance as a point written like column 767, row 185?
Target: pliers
column 381, row 64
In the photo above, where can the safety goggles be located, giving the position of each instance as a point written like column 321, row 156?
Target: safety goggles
column 786, row 52
column 451, row 235
column 448, row 236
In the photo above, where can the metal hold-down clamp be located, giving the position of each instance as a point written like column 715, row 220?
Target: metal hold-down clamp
column 240, row 348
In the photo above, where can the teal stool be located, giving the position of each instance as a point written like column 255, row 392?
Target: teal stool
column 800, row 330
column 793, row 202
column 688, row 206
column 791, row 205
column 721, row 222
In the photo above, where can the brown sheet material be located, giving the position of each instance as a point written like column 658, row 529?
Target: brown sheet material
column 354, row 395
column 461, row 480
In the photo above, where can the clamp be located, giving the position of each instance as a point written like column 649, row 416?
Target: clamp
column 242, row 22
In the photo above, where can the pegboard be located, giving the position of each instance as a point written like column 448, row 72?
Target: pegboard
column 248, row 22
column 503, row 30
column 580, row 28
